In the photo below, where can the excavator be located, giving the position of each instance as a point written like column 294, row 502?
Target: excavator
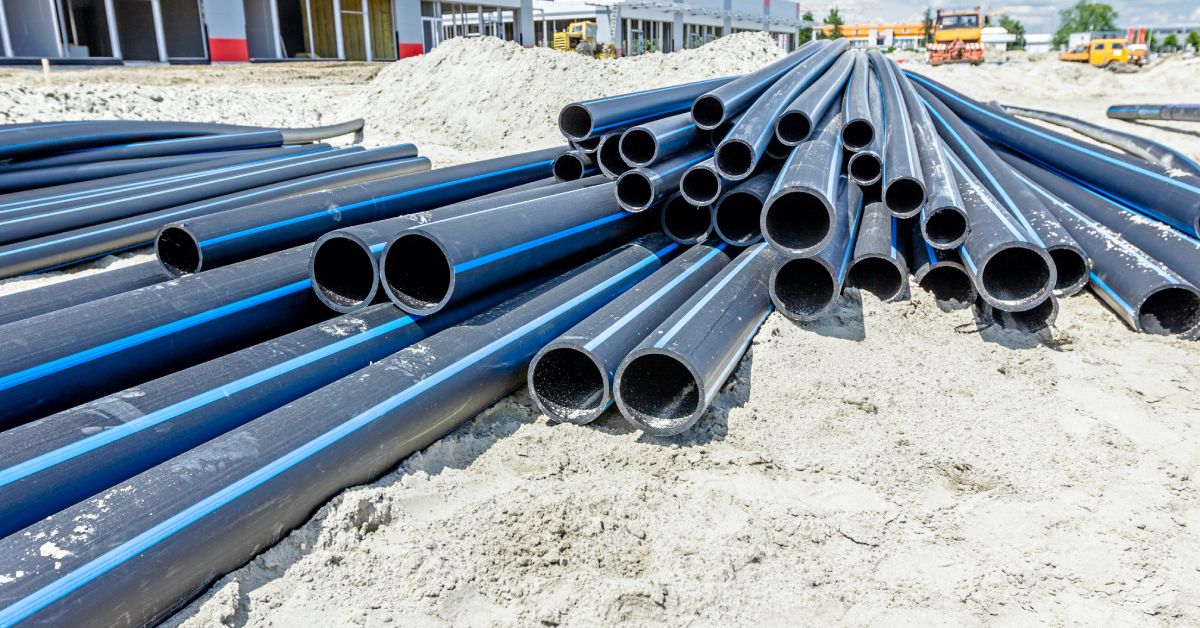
column 957, row 38
column 581, row 37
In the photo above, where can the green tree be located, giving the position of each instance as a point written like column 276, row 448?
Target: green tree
column 806, row 32
column 834, row 19
column 927, row 24
column 1014, row 28
column 1152, row 43
column 1171, row 42
column 1084, row 17
column 1193, row 40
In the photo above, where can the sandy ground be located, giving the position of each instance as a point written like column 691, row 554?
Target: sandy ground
column 892, row 464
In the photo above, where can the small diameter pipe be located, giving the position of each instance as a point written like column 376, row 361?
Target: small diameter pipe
column 684, row 222
column 737, row 213
column 30, row 303
column 702, row 184
column 903, row 180
column 317, row 133
column 718, row 135
column 441, row 263
column 238, row 234
column 572, row 166
column 345, row 264
column 796, row 122
column 571, row 379
column 860, row 119
column 202, row 144
column 865, row 166
column 712, row 109
column 96, row 348
column 806, row 288
column 587, row 146
column 656, row 140
column 943, row 220
column 641, row 188
column 47, row 139
column 738, row 155
column 776, row 151
column 199, row 526
column 941, row 273
column 1186, row 113
column 587, row 119
column 608, row 156
column 1010, row 271
column 61, row 175
column 877, row 264
column 1071, row 265
column 798, row 218
column 665, row 384
column 1031, row 321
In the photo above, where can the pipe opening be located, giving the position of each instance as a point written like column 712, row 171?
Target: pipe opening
column 718, row 135
column 803, row 288
column 857, row 134
column 903, row 197
column 737, row 218
column 1171, row 310
column 1070, row 269
column 660, row 392
column 569, row 385
column 1028, row 321
column 575, row 121
column 950, row 287
column 797, row 221
column 700, row 185
column 608, row 157
column 778, row 150
column 568, row 167
column 1014, row 275
column 684, row 222
column 945, row 226
column 793, row 127
column 876, row 275
column 417, row 272
column 708, row 111
column 639, row 147
column 735, row 158
column 588, row 145
column 344, row 272
column 864, row 168
column 635, row 191
column 178, row 251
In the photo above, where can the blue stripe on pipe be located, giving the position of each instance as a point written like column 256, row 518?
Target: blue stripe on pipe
column 336, row 210
column 856, row 221
column 635, row 312
column 1113, row 295
column 113, row 558
column 708, row 296
column 82, row 357
column 679, row 130
column 966, row 257
column 525, row 246
column 657, row 113
column 989, row 200
column 649, row 91
column 895, row 228
column 91, row 443
column 1074, row 147
column 683, row 165
column 91, row 149
column 737, row 356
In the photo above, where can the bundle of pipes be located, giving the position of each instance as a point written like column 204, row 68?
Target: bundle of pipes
column 342, row 328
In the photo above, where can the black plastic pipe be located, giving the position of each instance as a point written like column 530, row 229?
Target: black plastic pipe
column 941, row 273
column 570, row 379
column 656, row 140
column 667, row 382
column 796, row 122
column 47, row 139
column 64, row 358
column 1031, row 321
column 238, row 234
column 877, row 264
column 684, row 222
column 738, row 155
column 587, row 146
column 717, row 106
column 865, row 165
column 303, row 135
column 903, row 180
column 161, row 148
column 859, row 118
column 798, row 218
column 1187, row 113
column 572, row 166
column 943, row 220
column 30, row 303
column 641, row 188
column 199, row 526
column 806, row 288
column 60, row 175
column 1150, row 188
column 737, row 214
column 444, row 262
column 608, row 156
column 586, row 119
column 702, row 184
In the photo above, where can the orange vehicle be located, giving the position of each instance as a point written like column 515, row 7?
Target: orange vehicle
column 957, row 38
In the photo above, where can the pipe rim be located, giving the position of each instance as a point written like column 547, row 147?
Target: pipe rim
column 793, row 127
column 786, row 306
column 892, row 291
column 1188, row 328
column 555, row 410
column 904, row 196
column 708, row 112
column 1031, row 321
column 735, row 159
column 392, row 287
column 945, row 227
column 1027, row 298
column 331, row 298
column 703, row 196
column 178, row 251
column 575, row 122
column 568, row 167
column 640, row 184
column 670, row 225
column 641, row 150
column 728, row 224
column 873, row 169
column 681, row 370
column 853, row 132
column 771, row 217
column 587, row 145
column 961, row 279
column 606, row 153
column 1072, row 269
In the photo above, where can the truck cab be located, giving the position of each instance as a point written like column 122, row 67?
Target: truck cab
column 1101, row 52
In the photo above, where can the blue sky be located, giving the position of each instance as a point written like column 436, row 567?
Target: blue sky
column 1038, row 17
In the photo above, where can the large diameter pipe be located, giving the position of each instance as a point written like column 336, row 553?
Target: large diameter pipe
column 656, row 140
column 36, row 301
column 1187, row 113
column 796, row 122
column 684, row 222
column 798, row 218
column 903, row 180
column 199, row 526
column 64, row 358
column 943, row 220
column 667, row 382
column 571, row 379
column 739, row 153
column 877, row 264
column 206, row 143
column 712, row 109
column 806, row 288
column 59, row 460
column 702, row 183
column 589, row 118
column 737, row 214
column 441, row 263
column 238, row 234
column 641, row 188
column 860, row 121
column 941, row 273
column 1149, row 187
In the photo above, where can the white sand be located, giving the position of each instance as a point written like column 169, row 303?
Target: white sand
column 889, row 465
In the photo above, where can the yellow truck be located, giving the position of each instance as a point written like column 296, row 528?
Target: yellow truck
column 1102, row 52
column 957, row 38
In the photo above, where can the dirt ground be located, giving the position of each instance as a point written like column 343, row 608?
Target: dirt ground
column 890, row 464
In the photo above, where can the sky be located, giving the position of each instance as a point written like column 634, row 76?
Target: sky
column 1038, row 17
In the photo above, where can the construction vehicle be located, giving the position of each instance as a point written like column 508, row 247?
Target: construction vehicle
column 581, row 37
column 957, row 38
column 1102, row 52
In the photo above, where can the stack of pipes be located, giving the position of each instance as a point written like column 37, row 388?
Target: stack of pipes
column 311, row 342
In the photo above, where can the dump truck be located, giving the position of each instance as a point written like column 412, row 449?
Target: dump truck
column 957, row 37
column 1104, row 51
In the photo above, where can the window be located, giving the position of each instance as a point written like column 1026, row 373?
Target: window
column 1118, row 46
column 1099, row 46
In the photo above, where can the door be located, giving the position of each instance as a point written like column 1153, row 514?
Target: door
column 354, row 32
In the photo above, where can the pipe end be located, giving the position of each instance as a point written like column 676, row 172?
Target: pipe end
column 178, row 251
column 569, row 384
column 658, row 392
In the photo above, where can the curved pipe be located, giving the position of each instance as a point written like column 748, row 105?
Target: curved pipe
column 46, row 139
column 317, row 133
column 1187, row 113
